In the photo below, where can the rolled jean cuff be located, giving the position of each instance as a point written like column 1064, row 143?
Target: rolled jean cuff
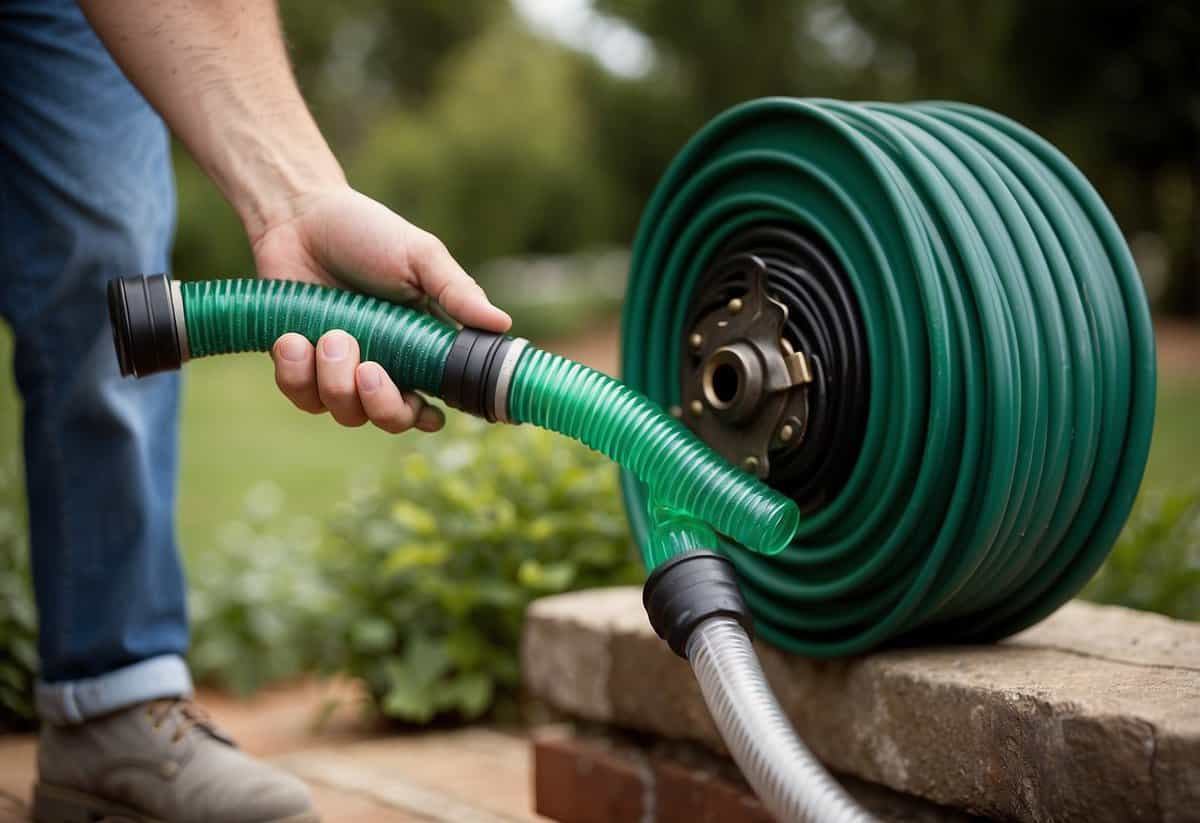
column 74, row 701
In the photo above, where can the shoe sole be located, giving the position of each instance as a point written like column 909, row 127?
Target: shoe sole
column 55, row 804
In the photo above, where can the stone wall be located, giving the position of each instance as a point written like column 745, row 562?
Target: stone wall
column 1093, row 715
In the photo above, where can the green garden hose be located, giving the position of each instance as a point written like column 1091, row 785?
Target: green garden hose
column 1011, row 362
column 159, row 324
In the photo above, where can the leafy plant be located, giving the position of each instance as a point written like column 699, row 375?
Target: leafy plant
column 257, row 598
column 1156, row 563
column 437, row 562
column 18, row 617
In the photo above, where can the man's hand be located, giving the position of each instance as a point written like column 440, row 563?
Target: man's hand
column 342, row 238
column 218, row 74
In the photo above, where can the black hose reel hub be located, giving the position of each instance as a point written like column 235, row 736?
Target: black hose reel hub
column 775, row 373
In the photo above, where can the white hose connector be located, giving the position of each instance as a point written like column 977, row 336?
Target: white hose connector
column 785, row 775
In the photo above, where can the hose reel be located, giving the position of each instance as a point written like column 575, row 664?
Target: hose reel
column 981, row 358
column 918, row 325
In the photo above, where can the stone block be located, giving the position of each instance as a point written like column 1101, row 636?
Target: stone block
column 1092, row 715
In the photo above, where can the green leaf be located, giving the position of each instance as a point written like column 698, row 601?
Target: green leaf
column 425, row 660
column 409, row 701
column 414, row 518
column 465, row 647
column 471, row 692
column 372, row 636
column 550, row 577
column 415, row 555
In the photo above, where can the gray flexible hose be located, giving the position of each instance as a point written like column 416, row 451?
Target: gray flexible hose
column 785, row 775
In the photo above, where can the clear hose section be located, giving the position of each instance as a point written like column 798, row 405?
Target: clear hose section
column 785, row 775
column 546, row 390
column 675, row 533
column 686, row 475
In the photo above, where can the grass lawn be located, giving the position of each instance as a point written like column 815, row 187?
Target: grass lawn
column 1175, row 446
column 238, row 432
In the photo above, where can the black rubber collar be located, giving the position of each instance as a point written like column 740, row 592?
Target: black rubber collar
column 472, row 371
column 687, row 590
column 143, row 323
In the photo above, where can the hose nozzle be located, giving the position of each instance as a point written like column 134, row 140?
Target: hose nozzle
column 147, row 323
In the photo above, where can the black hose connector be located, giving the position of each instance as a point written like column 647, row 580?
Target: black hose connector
column 144, row 324
column 472, row 372
column 688, row 589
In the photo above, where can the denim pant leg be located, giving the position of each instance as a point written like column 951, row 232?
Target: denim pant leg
column 86, row 195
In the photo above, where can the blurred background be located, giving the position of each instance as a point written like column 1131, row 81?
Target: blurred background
column 528, row 135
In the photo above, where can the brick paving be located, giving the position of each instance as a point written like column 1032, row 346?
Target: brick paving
column 357, row 772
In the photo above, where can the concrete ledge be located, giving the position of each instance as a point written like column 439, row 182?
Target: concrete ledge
column 1092, row 715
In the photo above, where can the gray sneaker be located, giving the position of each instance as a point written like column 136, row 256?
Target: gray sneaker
column 159, row 762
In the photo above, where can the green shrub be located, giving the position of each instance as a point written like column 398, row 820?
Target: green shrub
column 1155, row 565
column 18, row 618
column 435, row 564
column 257, row 599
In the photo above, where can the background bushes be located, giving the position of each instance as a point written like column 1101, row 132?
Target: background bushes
column 419, row 581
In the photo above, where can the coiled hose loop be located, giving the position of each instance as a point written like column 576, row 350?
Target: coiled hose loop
column 1011, row 358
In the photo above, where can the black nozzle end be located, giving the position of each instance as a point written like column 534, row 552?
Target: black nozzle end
column 145, row 332
column 687, row 590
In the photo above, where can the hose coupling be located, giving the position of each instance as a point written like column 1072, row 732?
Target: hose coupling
column 147, row 324
column 479, row 372
column 687, row 590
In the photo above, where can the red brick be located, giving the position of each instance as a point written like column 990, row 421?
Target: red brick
column 696, row 794
column 600, row 780
column 576, row 782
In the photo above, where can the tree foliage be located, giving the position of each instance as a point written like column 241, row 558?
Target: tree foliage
column 508, row 143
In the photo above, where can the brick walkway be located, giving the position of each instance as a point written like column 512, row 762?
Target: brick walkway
column 356, row 773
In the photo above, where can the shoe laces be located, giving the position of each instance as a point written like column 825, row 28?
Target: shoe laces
column 187, row 715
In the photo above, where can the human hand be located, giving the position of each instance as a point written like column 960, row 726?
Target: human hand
column 342, row 238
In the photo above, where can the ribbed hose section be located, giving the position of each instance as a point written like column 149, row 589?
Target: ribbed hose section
column 224, row 316
column 680, row 472
column 683, row 474
column 785, row 775
column 1010, row 353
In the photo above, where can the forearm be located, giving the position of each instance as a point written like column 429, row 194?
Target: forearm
column 218, row 73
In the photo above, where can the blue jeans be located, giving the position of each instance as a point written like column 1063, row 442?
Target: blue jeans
column 86, row 195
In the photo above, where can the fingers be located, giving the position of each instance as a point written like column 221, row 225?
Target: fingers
column 329, row 377
column 388, row 408
column 296, row 372
column 337, row 358
column 441, row 277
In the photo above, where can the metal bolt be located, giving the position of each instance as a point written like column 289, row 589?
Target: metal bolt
column 750, row 464
column 735, row 305
column 786, row 432
column 696, row 407
column 676, row 412
column 696, row 341
column 799, row 370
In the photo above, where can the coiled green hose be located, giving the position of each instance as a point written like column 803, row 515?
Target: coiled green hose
column 1011, row 352
column 687, row 479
